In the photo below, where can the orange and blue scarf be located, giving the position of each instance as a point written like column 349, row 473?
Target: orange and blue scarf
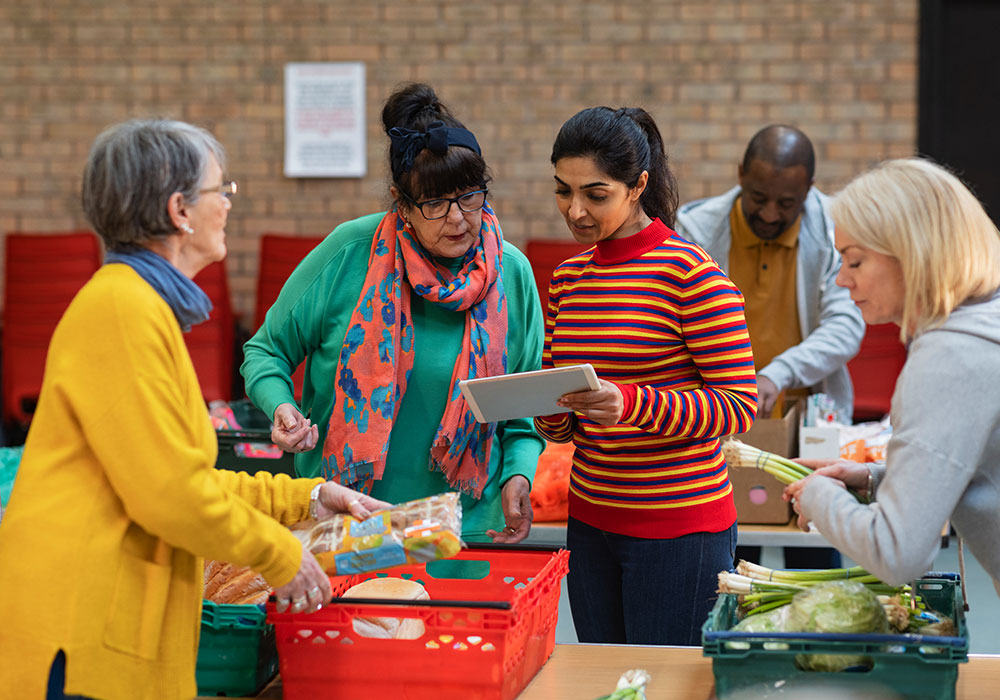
column 377, row 356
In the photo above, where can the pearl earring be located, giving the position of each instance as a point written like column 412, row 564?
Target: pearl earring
column 187, row 229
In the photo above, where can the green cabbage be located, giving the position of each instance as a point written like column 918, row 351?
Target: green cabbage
column 770, row 621
column 845, row 607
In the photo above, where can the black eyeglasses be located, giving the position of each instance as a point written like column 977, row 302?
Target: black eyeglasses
column 438, row 208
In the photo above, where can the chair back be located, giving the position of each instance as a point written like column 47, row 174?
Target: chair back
column 544, row 256
column 874, row 371
column 210, row 343
column 43, row 272
column 279, row 255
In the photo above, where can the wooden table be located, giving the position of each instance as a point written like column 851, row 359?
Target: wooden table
column 586, row 671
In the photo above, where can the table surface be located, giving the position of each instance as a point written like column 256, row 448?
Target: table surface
column 585, row 671
column 783, row 535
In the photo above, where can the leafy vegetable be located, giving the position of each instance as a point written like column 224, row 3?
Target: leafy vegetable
column 836, row 607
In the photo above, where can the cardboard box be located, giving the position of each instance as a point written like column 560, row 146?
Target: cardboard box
column 819, row 442
column 757, row 494
column 777, row 435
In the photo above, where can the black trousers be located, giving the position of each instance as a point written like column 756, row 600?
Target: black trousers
column 798, row 557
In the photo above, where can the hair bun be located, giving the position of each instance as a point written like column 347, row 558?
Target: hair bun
column 414, row 106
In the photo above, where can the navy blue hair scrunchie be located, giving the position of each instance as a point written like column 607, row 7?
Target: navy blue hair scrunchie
column 406, row 144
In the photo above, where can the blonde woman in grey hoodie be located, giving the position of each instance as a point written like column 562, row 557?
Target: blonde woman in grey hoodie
column 919, row 250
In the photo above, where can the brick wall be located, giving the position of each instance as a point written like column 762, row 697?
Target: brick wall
column 711, row 73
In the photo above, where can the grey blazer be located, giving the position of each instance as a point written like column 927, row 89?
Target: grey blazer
column 831, row 324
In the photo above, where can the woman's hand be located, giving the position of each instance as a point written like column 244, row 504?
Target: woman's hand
column 308, row 591
column 604, row 405
column 844, row 473
column 853, row 475
column 334, row 499
column 292, row 431
column 516, row 503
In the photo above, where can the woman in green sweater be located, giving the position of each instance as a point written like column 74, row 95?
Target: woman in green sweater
column 389, row 313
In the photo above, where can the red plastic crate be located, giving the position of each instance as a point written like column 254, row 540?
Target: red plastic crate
column 486, row 634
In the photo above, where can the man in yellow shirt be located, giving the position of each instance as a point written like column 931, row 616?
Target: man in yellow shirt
column 773, row 235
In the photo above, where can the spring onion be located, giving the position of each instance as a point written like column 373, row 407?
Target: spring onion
column 760, row 589
column 740, row 454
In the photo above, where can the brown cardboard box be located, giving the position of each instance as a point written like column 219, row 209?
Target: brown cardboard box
column 777, row 435
column 756, row 493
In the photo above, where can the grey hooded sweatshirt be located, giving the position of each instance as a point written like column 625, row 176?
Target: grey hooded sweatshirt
column 943, row 460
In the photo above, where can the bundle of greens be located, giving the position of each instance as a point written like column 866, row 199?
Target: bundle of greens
column 762, row 589
column 826, row 600
column 738, row 454
column 631, row 686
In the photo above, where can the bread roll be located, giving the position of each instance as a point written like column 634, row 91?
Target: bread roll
column 388, row 627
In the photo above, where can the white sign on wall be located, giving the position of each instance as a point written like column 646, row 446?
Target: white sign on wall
column 325, row 120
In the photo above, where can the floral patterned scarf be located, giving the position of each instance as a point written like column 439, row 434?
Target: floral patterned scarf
column 377, row 356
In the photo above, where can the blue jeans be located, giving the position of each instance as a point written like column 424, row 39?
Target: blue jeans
column 631, row 590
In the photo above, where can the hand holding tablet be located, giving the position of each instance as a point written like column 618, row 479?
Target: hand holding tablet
column 526, row 394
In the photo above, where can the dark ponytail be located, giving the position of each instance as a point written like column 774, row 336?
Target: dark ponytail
column 623, row 142
column 415, row 106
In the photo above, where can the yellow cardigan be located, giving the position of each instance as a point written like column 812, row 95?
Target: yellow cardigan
column 117, row 500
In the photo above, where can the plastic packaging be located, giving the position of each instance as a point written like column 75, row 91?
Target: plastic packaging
column 410, row 533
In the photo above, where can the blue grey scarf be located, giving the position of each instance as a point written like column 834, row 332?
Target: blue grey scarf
column 186, row 299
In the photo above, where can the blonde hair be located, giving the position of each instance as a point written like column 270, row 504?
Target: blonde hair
column 922, row 215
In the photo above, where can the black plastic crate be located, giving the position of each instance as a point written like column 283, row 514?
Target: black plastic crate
column 255, row 428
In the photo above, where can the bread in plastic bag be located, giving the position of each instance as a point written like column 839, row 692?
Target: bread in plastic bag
column 409, row 533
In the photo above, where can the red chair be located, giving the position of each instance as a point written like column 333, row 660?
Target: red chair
column 544, row 256
column 210, row 343
column 43, row 273
column 279, row 255
column 874, row 370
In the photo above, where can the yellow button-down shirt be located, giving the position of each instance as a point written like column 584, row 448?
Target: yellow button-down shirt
column 765, row 272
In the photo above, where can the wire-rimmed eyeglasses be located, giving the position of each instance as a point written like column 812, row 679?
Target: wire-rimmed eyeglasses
column 227, row 189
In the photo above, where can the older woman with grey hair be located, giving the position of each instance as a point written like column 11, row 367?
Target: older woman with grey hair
column 117, row 499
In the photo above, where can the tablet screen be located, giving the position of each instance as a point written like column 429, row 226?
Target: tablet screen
column 525, row 394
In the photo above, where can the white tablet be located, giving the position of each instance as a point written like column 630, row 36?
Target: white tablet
column 526, row 393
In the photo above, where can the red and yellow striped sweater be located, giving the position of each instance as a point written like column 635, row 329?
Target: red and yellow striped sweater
column 655, row 315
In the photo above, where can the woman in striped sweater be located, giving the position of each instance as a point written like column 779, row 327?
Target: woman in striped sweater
column 652, row 519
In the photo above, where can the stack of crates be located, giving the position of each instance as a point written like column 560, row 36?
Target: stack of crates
column 236, row 652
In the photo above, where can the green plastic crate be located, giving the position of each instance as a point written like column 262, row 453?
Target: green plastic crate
column 916, row 667
column 256, row 427
column 236, row 653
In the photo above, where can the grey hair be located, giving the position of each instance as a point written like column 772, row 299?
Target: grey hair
column 133, row 169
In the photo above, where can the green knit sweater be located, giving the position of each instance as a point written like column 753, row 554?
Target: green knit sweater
column 310, row 319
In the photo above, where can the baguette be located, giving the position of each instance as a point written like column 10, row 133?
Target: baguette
column 234, row 585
